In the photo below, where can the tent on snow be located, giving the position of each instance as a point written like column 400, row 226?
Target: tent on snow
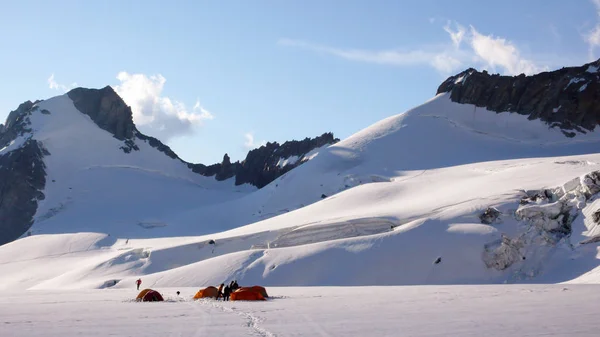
column 149, row 295
column 207, row 292
column 261, row 290
column 247, row 294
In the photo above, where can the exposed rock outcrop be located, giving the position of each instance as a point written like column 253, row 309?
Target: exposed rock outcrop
column 22, row 174
column 566, row 98
column 267, row 163
column 490, row 216
column 106, row 109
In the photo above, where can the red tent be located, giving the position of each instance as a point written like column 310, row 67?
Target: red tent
column 152, row 296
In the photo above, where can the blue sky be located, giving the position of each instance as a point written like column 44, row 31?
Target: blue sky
column 210, row 77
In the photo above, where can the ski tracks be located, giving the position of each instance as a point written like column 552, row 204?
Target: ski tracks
column 252, row 321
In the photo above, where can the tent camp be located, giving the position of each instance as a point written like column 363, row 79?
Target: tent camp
column 247, row 294
column 149, row 295
column 207, row 292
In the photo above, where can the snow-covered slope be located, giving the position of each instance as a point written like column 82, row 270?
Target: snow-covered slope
column 93, row 185
column 378, row 208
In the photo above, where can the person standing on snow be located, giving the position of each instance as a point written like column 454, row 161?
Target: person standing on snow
column 226, row 293
column 138, row 282
column 220, row 291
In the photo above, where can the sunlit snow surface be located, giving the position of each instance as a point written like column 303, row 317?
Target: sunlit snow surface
column 518, row 310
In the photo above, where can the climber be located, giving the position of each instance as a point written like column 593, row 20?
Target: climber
column 138, row 282
column 220, row 291
column 226, row 293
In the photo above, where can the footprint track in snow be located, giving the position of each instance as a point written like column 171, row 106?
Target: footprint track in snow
column 252, row 321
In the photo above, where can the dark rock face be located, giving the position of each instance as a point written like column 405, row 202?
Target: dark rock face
column 22, row 180
column 17, row 123
column 106, row 109
column 566, row 98
column 22, row 175
column 261, row 165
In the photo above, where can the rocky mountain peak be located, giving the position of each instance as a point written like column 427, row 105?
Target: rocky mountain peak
column 106, row 108
column 566, row 98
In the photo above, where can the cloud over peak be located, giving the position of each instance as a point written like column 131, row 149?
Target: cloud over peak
column 466, row 47
column 251, row 143
column 592, row 37
column 52, row 84
column 154, row 113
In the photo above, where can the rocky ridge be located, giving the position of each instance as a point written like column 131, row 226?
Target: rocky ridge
column 22, row 168
column 22, row 173
column 266, row 163
column 566, row 98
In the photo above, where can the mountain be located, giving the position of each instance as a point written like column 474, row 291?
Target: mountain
column 565, row 98
column 82, row 151
column 449, row 192
column 268, row 162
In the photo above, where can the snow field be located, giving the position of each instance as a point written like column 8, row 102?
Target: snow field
column 498, row 310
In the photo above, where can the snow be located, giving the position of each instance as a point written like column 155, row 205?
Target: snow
column 583, row 87
column 592, row 69
column 291, row 160
column 144, row 214
column 112, row 190
column 530, row 310
column 376, row 209
column 13, row 145
column 460, row 79
column 575, row 81
column 315, row 152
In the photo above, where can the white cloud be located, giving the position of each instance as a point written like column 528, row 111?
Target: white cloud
column 155, row 114
column 56, row 86
column 592, row 37
column 465, row 47
column 498, row 52
column 384, row 57
column 204, row 114
column 250, row 142
column 456, row 36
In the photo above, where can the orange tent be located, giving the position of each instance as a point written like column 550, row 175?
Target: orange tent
column 207, row 292
column 261, row 290
column 142, row 294
column 246, row 294
column 149, row 295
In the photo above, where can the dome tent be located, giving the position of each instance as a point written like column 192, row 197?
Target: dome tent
column 247, row 294
column 207, row 292
column 149, row 295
